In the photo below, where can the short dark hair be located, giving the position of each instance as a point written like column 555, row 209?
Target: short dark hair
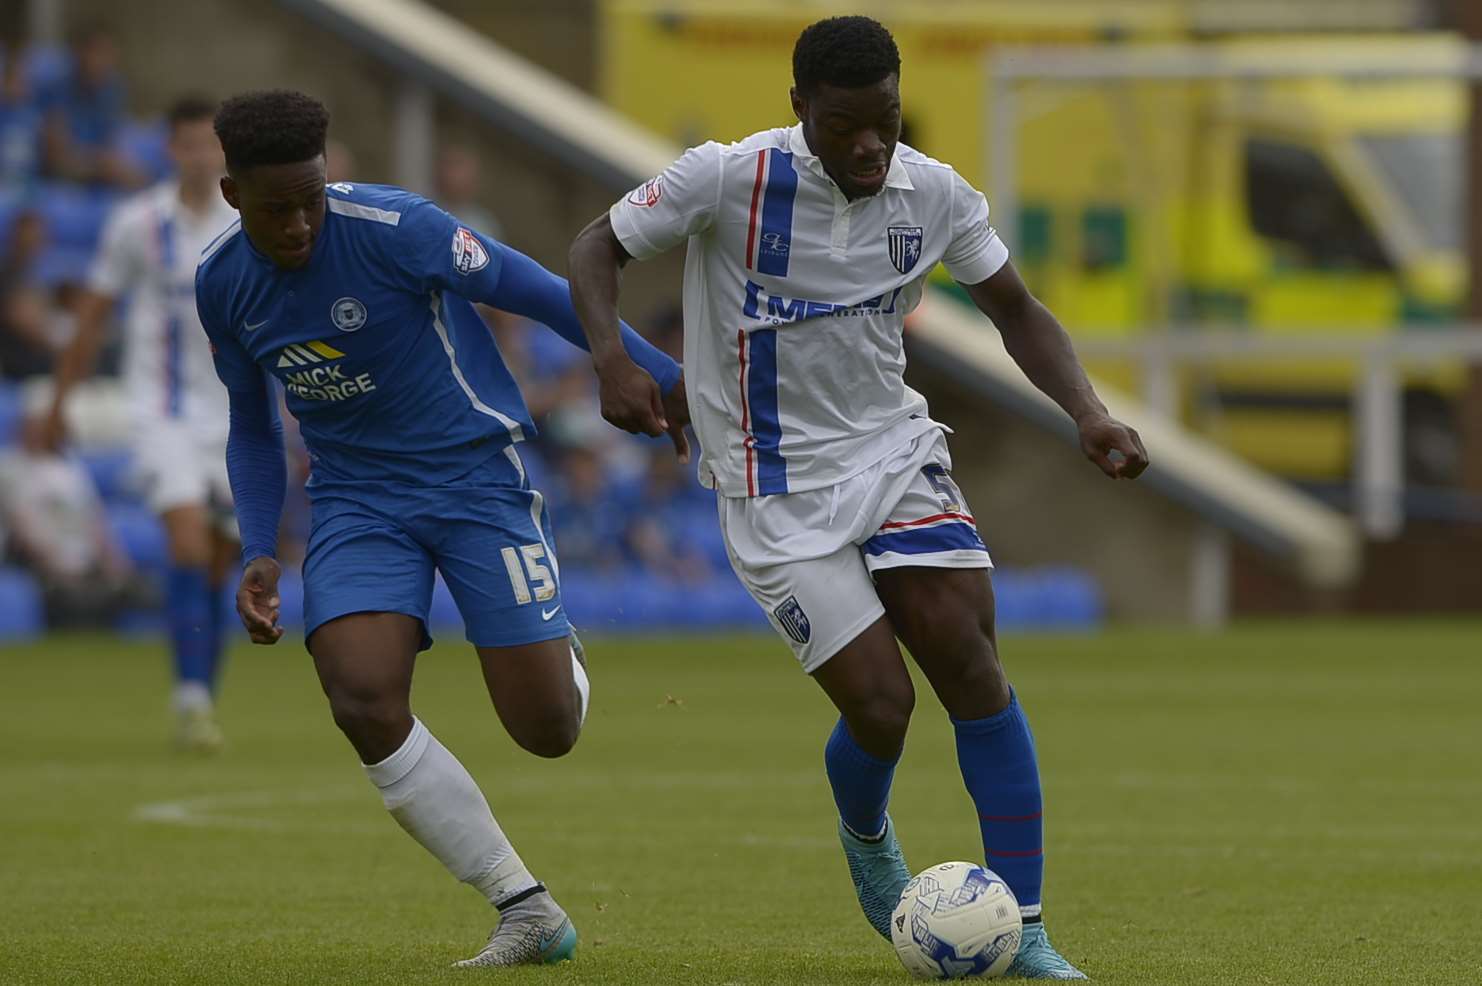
column 848, row 52
column 271, row 126
column 190, row 108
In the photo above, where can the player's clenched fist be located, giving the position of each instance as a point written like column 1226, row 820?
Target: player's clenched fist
column 630, row 397
column 258, row 601
column 1113, row 446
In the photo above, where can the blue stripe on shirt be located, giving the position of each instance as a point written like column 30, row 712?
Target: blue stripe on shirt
column 766, row 428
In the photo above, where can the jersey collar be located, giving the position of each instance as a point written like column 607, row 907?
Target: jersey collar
column 895, row 176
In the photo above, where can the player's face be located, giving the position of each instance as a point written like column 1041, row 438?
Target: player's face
column 853, row 132
column 196, row 152
column 282, row 207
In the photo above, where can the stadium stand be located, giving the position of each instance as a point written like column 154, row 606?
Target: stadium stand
column 638, row 537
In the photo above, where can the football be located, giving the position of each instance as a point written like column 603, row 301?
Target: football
column 956, row 920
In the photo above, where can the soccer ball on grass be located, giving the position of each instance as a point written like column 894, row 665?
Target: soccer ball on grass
column 956, row 920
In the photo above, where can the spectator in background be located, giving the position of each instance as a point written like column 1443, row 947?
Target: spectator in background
column 20, row 257
column 28, row 345
column 592, row 514
column 667, row 522
column 83, row 113
column 458, row 190
column 148, row 252
column 59, row 531
column 20, row 125
column 666, row 330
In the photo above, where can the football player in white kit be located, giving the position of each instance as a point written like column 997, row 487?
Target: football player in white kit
column 807, row 247
column 148, row 253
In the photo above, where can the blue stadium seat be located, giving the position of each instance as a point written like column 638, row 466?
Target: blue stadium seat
column 74, row 216
column 46, row 65
column 143, row 143
column 64, row 265
column 12, row 204
column 1047, row 599
column 22, row 612
column 112, row 472
column 141, row 534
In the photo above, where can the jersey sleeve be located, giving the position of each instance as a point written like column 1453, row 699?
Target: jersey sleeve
column 116, row 264
column 444, row 254
column 436, row 252
column 975, row 253
column 668, row 209
column 234, row 364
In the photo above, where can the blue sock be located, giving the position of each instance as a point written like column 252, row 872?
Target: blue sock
column 188, row 604
column 1001, row 772
column 861, row 782
column 220, row 628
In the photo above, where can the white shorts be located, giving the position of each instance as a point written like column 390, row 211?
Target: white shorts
column 808, row 558
column 176, row 466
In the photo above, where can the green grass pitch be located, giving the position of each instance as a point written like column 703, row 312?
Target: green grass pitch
column 1281, row 803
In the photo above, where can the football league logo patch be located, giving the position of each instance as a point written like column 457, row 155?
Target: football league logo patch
column 647, row 195
column 347, row 314
column 469, row 254
column 905, row 247
column 794, row 621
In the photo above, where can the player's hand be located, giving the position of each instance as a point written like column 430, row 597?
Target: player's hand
column 630, row 397
column 257, row 600
column 1113, row 446
column 677, row 410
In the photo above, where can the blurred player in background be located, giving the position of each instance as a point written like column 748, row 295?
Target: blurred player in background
column 148, row 253
column 807, row 247
column 359, row 299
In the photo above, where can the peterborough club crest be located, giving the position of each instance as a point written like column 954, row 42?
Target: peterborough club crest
column 794, row 621
column 905, row 247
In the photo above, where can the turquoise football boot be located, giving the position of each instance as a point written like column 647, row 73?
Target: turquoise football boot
column 878, row 869
column 1037, row 958
column 538, row 932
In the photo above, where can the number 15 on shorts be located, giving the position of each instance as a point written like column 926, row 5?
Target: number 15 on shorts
column 527, row 570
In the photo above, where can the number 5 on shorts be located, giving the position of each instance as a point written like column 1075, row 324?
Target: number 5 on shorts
column 538, row 574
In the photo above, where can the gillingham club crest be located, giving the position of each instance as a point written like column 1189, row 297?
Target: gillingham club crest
column 794, row 621
column 905, row 247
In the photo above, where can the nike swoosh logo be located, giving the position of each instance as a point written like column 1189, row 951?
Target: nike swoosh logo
column 249, row 327
column 547, row 614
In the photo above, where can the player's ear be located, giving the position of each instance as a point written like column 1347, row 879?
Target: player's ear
column 229, row 191
column 799, row 104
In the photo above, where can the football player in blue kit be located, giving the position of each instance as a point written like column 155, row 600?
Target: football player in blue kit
column 359, row 300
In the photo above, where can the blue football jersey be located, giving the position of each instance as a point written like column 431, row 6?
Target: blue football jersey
column 390, row 371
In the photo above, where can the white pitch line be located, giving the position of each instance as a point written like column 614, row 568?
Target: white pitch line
column 232, row 810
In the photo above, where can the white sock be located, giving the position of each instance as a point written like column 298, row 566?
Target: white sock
column 432, row 796
column 583, row 687
column 191, row 696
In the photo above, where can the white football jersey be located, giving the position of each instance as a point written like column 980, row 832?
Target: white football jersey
column 148, row 254
column 795, row 299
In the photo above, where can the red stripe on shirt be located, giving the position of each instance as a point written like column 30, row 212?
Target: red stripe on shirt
column 928, row 520
column 756, row 194
column 746, row 411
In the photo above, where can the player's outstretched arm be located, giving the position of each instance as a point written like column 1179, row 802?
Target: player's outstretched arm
column 629, row 398
column 259, row 479
column 1041, row 347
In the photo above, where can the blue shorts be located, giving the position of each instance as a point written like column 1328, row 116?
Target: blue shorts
column 375, row 547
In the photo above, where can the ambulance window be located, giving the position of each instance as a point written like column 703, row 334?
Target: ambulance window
column 1295, row 201
column 1104, row 237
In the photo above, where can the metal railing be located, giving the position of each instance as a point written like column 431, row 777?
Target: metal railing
column 1378, row 479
